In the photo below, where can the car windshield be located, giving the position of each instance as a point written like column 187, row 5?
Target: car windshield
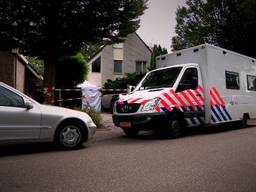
column 161, row 78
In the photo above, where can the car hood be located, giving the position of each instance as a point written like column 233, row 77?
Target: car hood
column 143, row 96
column 62, row 112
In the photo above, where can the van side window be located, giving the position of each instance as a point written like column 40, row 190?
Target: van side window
column 189, row 80
column 251, row 83
column 232, row 80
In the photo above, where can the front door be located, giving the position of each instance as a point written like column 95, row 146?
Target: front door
column 16, row 121
column 192, row 97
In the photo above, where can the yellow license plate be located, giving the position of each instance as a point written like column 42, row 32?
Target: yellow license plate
column 125, row 124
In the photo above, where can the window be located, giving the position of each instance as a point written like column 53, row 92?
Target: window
column 189, row 80
column 232, row 80
column 118, row 66
column 118, row 45
column 141, row 67
column 161, row 78
column 8, row 98
column 251, row 82
column 96, row 65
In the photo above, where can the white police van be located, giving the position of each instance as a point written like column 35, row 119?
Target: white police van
column 202, row 85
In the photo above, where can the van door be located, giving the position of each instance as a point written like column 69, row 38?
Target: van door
column 190, row 93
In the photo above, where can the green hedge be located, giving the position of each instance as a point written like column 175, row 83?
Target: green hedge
column 121, row 83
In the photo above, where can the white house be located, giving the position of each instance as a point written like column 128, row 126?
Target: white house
column 113, row 61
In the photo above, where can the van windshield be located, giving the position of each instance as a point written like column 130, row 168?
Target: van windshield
column 161, row 78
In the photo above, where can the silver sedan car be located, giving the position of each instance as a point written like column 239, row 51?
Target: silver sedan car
column 23, row 119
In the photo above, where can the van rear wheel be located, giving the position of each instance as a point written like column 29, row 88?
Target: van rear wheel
column 244, row 123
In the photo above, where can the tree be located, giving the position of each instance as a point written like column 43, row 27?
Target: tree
column 156, row 51
column 50, row 29
column 71, row 70
column 226, row 23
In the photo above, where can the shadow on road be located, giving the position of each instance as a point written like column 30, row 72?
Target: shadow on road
column 113, row 137
column 28, row 148
column 193, row 131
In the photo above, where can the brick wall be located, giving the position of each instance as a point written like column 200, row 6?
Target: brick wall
column 7, row 68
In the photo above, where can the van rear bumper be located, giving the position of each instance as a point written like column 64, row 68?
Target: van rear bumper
column 142, row 121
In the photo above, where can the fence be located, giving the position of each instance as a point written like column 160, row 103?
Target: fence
column 69, row 98
column 72, row 98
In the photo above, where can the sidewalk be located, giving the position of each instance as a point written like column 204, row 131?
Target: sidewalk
column 107, row 123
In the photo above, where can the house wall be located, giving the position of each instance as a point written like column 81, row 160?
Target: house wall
column 7, row 68
column 134, row 50
column 93, row 77
column 12, row 70
column 107, row 64
column 20, row 77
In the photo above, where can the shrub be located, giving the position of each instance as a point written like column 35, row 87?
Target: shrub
column 71, row 70
column 121, row 83
column 96, row 117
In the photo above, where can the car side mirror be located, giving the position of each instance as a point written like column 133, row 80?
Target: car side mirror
column 29, row 105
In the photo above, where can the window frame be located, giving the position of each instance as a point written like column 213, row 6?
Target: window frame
column 232, row 73
column 117, row 72
column 179, row 87
column 142, row 65
column 248, row 82
column 98, row 58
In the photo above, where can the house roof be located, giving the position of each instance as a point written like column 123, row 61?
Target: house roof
column 25, row 62
column 143, row 42
column 93, row 57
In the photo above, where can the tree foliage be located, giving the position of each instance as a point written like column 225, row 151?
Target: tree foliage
column 50, row 29
column 37, row 64
column 71, row 70
column 89, row 50
column 227, row 23
column 156, row 51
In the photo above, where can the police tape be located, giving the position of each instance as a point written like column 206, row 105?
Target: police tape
column 52, row 89
column 62, row 100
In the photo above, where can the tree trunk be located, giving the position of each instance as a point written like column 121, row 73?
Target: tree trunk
column 49, row 78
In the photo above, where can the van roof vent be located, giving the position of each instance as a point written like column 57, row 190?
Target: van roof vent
column 163, row 58
column 178, row 54
column 224, row 52
column 196, row 50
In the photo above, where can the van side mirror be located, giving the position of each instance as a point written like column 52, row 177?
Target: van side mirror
column 130, row 88
column 192, row 84
column 29, row 105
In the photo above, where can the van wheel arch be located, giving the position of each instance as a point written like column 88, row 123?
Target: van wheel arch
column 244, row 121
column 177, row 124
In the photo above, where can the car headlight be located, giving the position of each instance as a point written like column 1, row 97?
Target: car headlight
column 151, row 105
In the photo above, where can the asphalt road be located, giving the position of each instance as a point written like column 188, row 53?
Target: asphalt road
column 211, row 159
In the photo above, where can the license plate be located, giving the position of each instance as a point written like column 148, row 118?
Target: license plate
column 125, row 124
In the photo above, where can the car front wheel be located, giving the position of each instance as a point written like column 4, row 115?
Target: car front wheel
column 70, row 136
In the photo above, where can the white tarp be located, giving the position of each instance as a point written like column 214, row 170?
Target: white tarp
column 91, row 94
